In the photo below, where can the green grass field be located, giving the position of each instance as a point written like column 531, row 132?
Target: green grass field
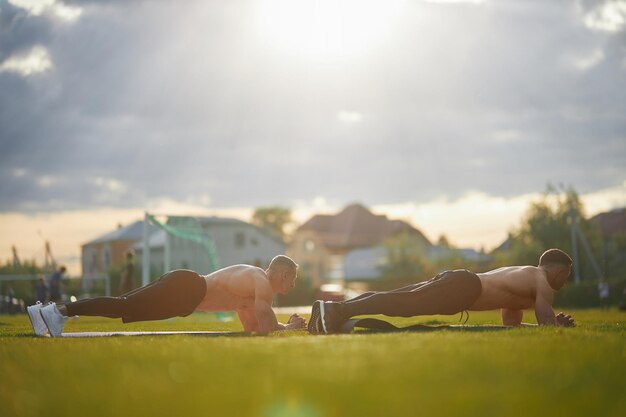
column 565, row 372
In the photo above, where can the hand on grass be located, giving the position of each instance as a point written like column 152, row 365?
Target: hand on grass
column 296, row 322
column 564, row 320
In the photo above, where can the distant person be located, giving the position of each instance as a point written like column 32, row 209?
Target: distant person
column 511, row 289
column 55, row 285
column 603, row 294
column 244, row 289
column 127, row 277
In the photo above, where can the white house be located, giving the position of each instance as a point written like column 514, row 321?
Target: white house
column 205, row 244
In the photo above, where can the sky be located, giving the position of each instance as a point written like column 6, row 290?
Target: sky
column 453, row 115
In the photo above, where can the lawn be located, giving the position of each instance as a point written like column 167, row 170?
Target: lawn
column 517, row 372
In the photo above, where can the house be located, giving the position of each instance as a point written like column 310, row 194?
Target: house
column 205, row 244
column 347, row 246
column 108, row 250
column 611, row 223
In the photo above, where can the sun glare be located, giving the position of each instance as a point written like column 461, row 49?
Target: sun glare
column 326, row 29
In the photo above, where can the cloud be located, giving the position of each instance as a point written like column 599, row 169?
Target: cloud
column 480, row 220
column 587, row 61
column 55, row 8
column 217, row 115
column 607, row 17
column 507, row 135
column 349, row 117
column 46, row 181
column 35, row 61
column 455, row 1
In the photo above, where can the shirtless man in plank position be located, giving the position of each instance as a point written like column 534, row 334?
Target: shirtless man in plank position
column 511, row 289
column 246, row 289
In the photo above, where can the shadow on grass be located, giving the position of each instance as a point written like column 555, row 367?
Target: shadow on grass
column 95, row 335
column 366, row 326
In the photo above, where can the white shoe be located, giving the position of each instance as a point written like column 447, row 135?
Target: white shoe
column 53, row 318
column 35, row 319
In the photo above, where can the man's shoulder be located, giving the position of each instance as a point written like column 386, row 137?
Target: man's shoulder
column 530, row 273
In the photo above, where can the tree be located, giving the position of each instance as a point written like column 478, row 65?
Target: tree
column 407, row 261
column 272, row 218
column 548, row 224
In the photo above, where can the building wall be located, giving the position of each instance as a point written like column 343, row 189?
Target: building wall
column 364, row 264
column 235, row 243
column 99, row 257
column 314, row 259
column 244, row 243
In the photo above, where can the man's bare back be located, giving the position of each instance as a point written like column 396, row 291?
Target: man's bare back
column 233, row 288
column 512, row 287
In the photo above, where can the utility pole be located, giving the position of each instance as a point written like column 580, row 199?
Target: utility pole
column 145, row 255
column 576, row 234
column 572, row 219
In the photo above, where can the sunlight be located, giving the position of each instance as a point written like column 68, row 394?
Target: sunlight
column 326, row 29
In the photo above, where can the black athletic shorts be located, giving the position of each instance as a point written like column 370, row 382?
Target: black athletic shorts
column 176, row 293
column 450, row 292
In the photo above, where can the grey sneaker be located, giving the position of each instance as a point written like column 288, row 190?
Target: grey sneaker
column 53, row 318
column 35, row 319
column 315, row 325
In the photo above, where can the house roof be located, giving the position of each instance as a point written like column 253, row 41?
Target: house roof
column 356, row 226
column 611, row 222
column 133, row 231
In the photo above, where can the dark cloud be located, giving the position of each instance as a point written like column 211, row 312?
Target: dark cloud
column 148, row 100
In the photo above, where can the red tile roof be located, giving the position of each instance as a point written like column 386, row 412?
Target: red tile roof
column 611, row 222
column 356, row 226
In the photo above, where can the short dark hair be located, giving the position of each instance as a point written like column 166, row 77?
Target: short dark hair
column 555, row 257
column 284, row 261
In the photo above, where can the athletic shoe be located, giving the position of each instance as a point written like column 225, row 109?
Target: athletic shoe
column 53, row 318
column 330, row 317
column 314, row 322
column 35, row 319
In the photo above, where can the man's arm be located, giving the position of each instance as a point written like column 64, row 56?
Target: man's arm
column 512, row 317
column 545, row 314
column 265, row 316
column 543, row 310
column 248, row 320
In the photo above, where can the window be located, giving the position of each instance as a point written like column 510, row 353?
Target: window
column 309, row 245
column 106, row 258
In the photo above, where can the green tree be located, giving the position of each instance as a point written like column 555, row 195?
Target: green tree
column 548, row 224
column 273, row 218
column 20, row 289
column 407, row 261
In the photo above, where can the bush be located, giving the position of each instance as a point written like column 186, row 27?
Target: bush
column 585, row 294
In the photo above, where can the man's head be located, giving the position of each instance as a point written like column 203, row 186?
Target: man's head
column 282, row 273
column 557, row 265
column 62, row 269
